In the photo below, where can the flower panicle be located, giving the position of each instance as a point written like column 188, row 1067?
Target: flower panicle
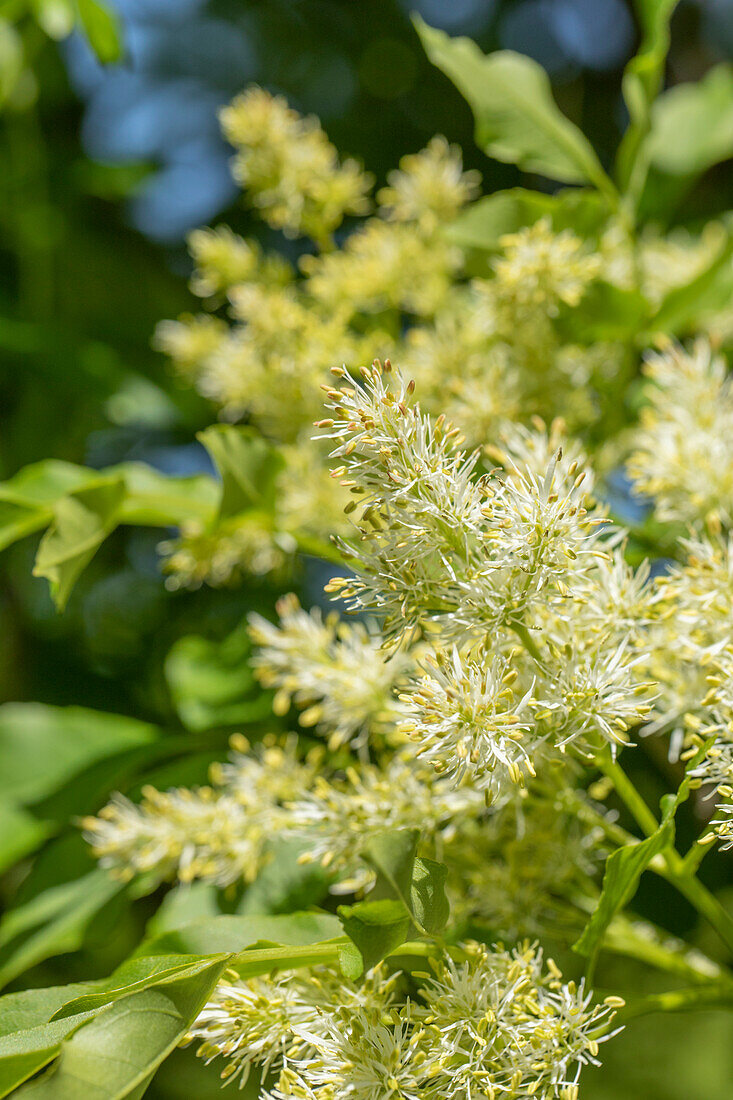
column 486, row 1021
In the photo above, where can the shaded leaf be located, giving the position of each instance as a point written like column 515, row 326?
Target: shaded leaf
column 234, row 933
column 375, row 927
column 53, row 923
column 605, row 312
column 285, row 884
column 41, row 746
column 182, row 905
column 710, row 290
column 211, row 683
column 20, row 834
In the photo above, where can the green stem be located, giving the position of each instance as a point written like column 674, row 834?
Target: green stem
column 700, row 897
column 678, row 1000
column 527, row 640
column 696, row 855
column 669, row 864
column 657, row 949
column 628, row 793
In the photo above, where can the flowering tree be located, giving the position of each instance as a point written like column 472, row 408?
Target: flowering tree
column 379, row 890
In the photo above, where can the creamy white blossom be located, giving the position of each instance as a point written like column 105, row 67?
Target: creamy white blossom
column 683, row 456
column 490, row 1023
column 338, row 671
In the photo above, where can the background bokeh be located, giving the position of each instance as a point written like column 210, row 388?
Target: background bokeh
column 104, row 171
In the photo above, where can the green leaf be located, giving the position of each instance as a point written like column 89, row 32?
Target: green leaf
column 26, row 500
column 133, row 976
column 418, row 883
column 375, row 927
column 211, row 683
column 33, row 1007
column 430, row 909
column 692, row 124
column 391, row 853
column 41, row 747
column 517, row 120
column 24, row 1052
column 285, row 884
column 682, row 307
column 605, row 312
column 233, row 934
column 642, row 81
column 43, row 483
column 102, row 29
column 31, row 500
column 158, row 500
column 82, row 521
column 183, row 905
column 248, row 466
column 114, row 1055
column 625, row 866
column 53, row 923
column 34, row 1023
column 485, row 222
column 20, row 834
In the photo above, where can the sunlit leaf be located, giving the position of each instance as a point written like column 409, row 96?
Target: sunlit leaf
column 114, row 1055
column 517, row 119
column 248, row 466
column 485, row 222
column 102, row 28
column 692, row 124
column 417, row 883
column 642, row 81
column 82, row 521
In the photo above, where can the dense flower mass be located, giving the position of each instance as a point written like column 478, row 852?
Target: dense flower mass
column 684, row 447
column 489, row 1023
column 289, row 167
column 511, row 639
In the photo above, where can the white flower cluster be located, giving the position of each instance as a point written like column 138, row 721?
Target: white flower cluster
column 513, row 576
column 290, row 168
column 691, row 659
column 430, row 187
column 338, row 671
column 683, row 456
column 488, row 1023
column 220, row 834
